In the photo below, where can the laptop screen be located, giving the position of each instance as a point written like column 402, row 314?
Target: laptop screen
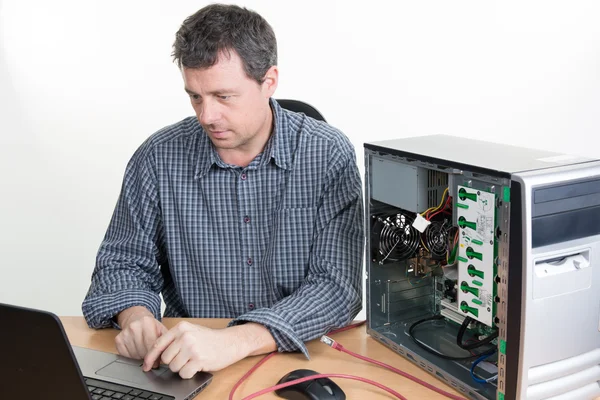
column 37, row 360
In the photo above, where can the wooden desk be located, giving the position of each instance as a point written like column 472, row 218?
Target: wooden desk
column 323, row 360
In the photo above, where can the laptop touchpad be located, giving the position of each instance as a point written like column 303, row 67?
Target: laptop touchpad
column 132, row 372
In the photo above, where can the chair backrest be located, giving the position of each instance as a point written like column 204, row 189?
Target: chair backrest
column 300, row 106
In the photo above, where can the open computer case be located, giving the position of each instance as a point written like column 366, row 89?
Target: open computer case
column 483, row 265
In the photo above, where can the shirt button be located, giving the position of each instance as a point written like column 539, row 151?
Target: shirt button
column 243, row 176
column 249, row 261
column 251, row 306
column 246, row 219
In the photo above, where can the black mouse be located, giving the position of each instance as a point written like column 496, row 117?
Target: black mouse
column 318, row 389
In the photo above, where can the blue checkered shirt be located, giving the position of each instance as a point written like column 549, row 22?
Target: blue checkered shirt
column 279, row 242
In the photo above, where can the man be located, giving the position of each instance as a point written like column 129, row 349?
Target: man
column 246, row 211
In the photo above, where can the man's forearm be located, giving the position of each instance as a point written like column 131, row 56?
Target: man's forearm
column 252, row 339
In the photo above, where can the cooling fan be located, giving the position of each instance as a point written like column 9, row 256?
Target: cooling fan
column 398, row 239
column 435, row 239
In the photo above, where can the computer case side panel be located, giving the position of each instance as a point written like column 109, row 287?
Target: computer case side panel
column 407, row 282
column 515, row 319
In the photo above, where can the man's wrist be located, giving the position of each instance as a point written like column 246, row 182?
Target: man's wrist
column 252, row 339
column 125, row 316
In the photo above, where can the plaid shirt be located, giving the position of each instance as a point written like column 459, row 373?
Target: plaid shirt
column 279, row 242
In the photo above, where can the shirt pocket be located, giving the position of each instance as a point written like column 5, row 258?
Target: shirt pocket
column 288, row 255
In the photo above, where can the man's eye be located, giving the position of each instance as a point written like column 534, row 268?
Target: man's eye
column 195, row 96
column 224, row 97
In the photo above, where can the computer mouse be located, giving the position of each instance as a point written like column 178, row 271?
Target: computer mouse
column 318, row 389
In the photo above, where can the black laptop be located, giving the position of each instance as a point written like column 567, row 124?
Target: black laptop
column 39, row 363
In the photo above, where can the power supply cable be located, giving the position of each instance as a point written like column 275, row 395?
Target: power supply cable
column 441, row 206
column 451, row 254
column 446, row 204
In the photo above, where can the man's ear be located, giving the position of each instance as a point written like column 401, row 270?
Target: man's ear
column 270, row 81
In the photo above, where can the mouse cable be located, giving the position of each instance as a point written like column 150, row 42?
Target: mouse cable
column 270, row 355
column 319, row 376
column 333, row 344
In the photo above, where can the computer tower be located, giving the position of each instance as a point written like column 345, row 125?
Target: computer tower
column 483, row 265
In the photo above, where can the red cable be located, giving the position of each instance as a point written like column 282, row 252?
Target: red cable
column 267, row 357
column 440, row 210
column 341, row 348
column 345, row 328
column 312, row 377
column 250, row 371
column 471, row 341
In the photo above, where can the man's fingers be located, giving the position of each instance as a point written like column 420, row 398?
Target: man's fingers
column 126, row 346
column 138, row 338
column 188, row 370
column 163, row 329
column 138, row 342
column 160, row 331
column 121, row 348
column 159, row 346
column 148, row 338
column 176, row 363
column 174, row 350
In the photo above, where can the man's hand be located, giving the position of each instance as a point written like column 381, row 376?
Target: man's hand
column 140, row 330
column 189, row 348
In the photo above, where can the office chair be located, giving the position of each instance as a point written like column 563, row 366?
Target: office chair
column 300, row 106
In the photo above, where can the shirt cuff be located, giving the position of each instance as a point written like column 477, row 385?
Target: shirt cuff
column 284, row 335
column 99, row 311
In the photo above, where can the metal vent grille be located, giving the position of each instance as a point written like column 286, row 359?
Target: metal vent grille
column 437, row 182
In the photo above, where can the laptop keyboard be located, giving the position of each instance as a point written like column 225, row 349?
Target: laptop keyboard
column 100, row 390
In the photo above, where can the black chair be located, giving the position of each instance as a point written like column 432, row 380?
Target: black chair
column 300, row 106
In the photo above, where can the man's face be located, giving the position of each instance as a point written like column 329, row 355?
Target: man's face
column 233, row 108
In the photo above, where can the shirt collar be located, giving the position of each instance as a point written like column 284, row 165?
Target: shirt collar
column 278, row 146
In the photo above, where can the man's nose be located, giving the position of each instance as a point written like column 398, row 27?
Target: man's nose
column 209, row 112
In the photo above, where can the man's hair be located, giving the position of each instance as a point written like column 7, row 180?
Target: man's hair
column 218, row 29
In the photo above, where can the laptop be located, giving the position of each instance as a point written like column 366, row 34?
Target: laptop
column 37, row 362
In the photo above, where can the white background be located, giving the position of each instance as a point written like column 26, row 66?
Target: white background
column 83, row 83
